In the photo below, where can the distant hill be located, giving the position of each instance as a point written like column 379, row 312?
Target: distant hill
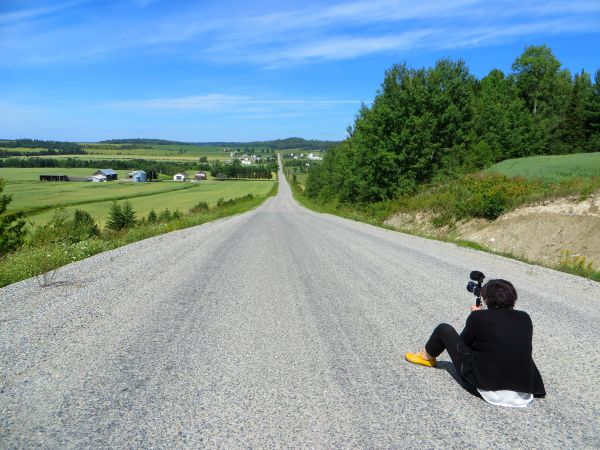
column 276, row 144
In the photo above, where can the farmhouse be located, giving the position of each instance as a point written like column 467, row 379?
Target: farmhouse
column 139, row 176
column 181, row 176
column 200, row 176
column 108, row 173
column 54, row 178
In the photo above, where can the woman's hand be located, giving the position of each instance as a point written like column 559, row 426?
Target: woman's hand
column 476, row 308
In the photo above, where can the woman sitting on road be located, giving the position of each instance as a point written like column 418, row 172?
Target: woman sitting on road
column 493, row 352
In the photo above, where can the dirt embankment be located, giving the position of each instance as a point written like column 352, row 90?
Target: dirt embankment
column 541, row 232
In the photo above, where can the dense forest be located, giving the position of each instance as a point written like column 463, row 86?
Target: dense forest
column 51, row 147
column 432, row 123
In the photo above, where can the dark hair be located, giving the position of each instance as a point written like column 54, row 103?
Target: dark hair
column 499, row 294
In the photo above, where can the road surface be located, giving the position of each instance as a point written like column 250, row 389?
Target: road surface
column 282, row 328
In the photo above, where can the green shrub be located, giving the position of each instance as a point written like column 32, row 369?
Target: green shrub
column 152, row 217
column 199, row 207
column 165, row 215
column 115, row 217
column 83, row 226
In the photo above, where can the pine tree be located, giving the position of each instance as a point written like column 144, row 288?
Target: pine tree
column 12, row 224
column 152, row 217
column 573, row 130
column 592, row 116
column 128, row 215
column 115, row 217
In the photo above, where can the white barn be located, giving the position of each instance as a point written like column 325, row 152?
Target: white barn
column 179, row 176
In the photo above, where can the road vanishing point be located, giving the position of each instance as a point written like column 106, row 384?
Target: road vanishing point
column 282, row 328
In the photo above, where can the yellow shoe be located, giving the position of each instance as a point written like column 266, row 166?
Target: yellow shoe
column 420, row 359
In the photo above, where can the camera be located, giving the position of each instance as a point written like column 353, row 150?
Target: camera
column 474, row 286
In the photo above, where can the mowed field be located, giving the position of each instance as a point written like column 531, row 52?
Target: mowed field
column 552, row 168
column 33, row 174
column 40, row 199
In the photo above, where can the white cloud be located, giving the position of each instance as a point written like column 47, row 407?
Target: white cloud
column 284, row 36
column 35, row 13
column 226, row 102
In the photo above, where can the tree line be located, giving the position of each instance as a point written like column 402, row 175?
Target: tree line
column 429, row 123
column 276, row 144
column 59, row 147
column 235, row 170
column 149, row 166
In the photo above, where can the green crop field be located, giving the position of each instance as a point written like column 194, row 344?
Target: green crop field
column 33, row 174
column 39, row 199
column 183, row 199
column 551, row 168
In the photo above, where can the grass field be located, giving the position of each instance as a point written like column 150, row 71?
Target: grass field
column 33, row 174
column 183, row 199
column 551, row 168
column 39, row 199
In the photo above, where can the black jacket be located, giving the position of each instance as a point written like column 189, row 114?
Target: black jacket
column 498, row 352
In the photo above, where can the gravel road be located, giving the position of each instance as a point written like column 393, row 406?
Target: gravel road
column 282, row 328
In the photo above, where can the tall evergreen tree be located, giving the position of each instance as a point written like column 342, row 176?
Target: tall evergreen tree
column 12, row 224
column 115, row 217
column 128, row 215
column 573, row 131
column 592, row 116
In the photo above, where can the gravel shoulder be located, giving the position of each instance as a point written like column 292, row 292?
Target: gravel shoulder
column 281, row 327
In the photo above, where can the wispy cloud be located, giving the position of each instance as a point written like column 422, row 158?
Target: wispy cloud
column 35, row 13
column 278, row 36
column 226, row 102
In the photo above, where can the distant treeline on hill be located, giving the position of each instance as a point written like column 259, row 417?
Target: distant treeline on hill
column 166, row 167
column 53, row 147
column 277, row 144
column 439, row 122
column 143, row 142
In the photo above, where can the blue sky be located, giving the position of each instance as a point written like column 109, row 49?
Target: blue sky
column 249, row 70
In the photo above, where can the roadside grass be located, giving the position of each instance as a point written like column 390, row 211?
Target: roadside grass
column 485, row 196
column 301, row 179
column 551, row 168
column 43, row 259
column 376, row 214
